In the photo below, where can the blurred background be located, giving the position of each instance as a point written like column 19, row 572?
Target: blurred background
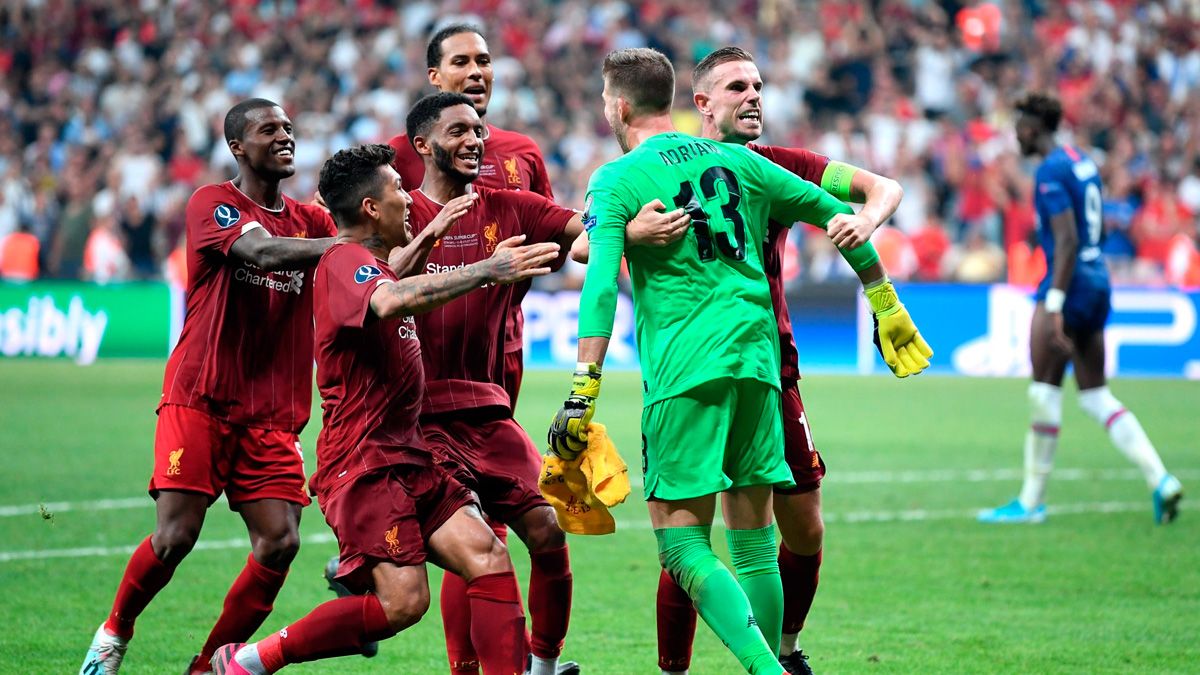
column 110, row 116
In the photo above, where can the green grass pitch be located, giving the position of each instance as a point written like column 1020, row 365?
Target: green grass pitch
column 910, row 584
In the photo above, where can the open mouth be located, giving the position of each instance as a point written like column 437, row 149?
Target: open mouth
column 286, row 152
column 475, row 91
column 469, row 159
column 751, row 116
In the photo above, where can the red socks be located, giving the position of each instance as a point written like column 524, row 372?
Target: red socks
column 145, row 576
column 247, row 606
column 676, row 625
column 456, row 621
column 498, row 623
column 337, row 628
column 800, row 574
column 550, row 584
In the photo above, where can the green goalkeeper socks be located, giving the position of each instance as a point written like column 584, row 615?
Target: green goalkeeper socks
column 754, row 560
column 686, row 553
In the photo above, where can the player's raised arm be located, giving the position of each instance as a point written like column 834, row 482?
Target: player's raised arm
column 408, row 260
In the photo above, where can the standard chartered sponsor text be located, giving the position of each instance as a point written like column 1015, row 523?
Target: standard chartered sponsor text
column 294, row 283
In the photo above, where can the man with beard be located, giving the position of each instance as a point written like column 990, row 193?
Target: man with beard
column 390, row 506
column 467, row 416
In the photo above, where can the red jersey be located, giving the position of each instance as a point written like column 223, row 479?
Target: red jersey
column 368, row 370
column 810, row 166
column 464, row 340
column 511, row 161
column 245, row 352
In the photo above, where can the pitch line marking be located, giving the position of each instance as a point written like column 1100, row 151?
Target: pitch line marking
column 838, row 478
column 849, row 517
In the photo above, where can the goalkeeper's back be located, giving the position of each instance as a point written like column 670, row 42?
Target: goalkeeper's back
column 702, row 304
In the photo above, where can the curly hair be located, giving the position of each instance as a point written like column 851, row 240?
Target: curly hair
column 428, row 110
column 350, row 176
column 1044, row 107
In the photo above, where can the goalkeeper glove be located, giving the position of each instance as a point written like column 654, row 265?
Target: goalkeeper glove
column 896, row 336
column 568, row 432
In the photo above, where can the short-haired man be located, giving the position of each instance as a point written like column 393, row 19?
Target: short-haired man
column 467, row 415
column 727, row 92
column 233, row 401
column 389, row 503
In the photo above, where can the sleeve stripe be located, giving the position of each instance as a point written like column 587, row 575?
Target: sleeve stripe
column 253, row 224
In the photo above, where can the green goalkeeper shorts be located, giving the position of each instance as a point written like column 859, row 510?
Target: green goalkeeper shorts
column 723, row 434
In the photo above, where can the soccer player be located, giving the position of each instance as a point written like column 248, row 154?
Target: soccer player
column 727, row 91
column 237, row 389
column 467, row 415
column 1073, row 302
column 458, row 60
column 707, row 343
column 390, row 505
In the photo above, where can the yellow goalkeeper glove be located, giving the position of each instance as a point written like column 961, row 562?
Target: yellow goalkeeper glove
column 568, row 431
column 896, row 336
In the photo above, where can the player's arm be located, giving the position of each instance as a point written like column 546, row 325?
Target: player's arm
column 1066, row 249
column 652, row 226
column 418, row 294
column 606, row 218
column 879, row 196
column 409, row 260
column 903, row 348
column 272, row 254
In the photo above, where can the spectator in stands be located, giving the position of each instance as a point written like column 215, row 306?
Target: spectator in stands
column 19, row 253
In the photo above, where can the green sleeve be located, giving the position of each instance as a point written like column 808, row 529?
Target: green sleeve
column 795, row 199
column 606, row 211
column 837, row 178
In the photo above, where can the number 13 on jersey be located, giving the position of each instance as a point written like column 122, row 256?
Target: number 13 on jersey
column 701, row 208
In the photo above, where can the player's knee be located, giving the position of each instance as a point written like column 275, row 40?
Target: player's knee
column 404, row 604
column 1100, row 404
column 1045, row 403
column 172, row 541
column 805, row 537
column 277, row 549
column 542, row 532
column 495, row 560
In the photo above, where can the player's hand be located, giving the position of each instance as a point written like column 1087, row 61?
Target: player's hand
column 653, row 226
column 1059, row 342
column 568, row 431
column 511, row 262
column 896, row 336
column 450, row 214
column 849, row 230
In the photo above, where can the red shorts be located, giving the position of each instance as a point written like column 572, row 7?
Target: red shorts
column 388, row 515
column 514, row 369
column 491, row 455
column 802, row 457
column 196, row 452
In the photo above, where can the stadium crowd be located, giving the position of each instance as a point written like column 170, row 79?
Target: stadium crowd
column 110, row 112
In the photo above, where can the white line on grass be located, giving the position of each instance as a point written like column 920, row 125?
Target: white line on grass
column 835, row 478
column 914, row 515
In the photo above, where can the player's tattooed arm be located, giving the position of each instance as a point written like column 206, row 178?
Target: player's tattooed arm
column 406, row 261
column 652, row 226
column 273, row 254
column 418, row 294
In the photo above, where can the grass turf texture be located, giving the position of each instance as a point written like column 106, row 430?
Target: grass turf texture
column 936, row 593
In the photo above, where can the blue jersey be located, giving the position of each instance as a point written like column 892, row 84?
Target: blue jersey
column 1069, row 180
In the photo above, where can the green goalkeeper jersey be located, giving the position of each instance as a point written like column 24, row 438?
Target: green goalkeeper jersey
column 702, row 305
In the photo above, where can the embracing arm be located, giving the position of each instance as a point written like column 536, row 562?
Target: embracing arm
column 272, row 254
